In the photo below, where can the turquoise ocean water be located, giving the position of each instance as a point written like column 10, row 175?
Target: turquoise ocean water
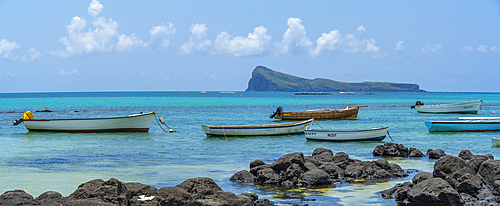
column 43, row 161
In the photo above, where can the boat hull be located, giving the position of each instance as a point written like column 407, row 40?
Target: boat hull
column 375, row 134
column 131, row 123
column 351, row 112
column 257, row 130
column 462, row 126
column 464, row 107
column 495, row 142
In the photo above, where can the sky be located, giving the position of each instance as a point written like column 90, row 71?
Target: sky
column 78, row 46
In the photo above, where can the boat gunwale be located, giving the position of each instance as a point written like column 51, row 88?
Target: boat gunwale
column 92, row 130
column 463, row 122
column 449, row 104
column 358, row 130
column 328, row 110
column 253, row 135
column 479, row 118
column 264, row 126
column 78, row 119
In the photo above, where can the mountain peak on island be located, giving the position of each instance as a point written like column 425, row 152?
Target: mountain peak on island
column 265, row 79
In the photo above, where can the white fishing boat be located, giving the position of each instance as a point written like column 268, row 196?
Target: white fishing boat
column 131, row 123
column 373, row 134
column 466, row 124
column 464, row 107
column 495, row 142
column 257, row 130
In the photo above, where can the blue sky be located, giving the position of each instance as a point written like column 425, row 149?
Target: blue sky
column 60, row 46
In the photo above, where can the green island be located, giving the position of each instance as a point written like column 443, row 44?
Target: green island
column 265, row 79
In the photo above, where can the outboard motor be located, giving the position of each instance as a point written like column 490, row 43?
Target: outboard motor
column 16, row 122
column 418, row 103
column 277, row 112
column 27, row 115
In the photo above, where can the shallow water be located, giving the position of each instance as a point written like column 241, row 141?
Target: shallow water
column 41, row 161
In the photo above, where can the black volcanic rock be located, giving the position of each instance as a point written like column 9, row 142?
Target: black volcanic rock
column 195, row 191
column 264, row 79
column 435, row 154
column 322, row 169
column 17, row 197
column 454, row 181
column 391, row 150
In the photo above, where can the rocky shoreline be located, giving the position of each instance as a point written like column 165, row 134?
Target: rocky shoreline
column 322, row 168
column 465, row 179
column 195, row 191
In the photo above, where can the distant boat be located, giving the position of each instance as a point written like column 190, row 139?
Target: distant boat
column 257, row 130
column 350, row 112
column 466, row 124
column 464, row 107
column 131, row 123
column 495, row 142
column 312, row 93
column 373, row 134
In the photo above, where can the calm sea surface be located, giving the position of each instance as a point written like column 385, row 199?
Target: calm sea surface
column 43, row 161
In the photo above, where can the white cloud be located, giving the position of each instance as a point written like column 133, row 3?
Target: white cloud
column 103, row 37
column 431, row 48
column 380, row 55
column 31, row 55
column 399, row 46
column 253, row 44
column 7, row 50
column 354, row 45
column 198, row 30
column 196, row 42
column 361, row 29
column 482, row 48
column 468, row 48
column 95, row 8
column 79, row 42
column 8, row 74
column 164, row 43
column 294, row 39
column 71, row 73
column 349, row 43
column 327, row 41
column 127, row 43
column 160, row 34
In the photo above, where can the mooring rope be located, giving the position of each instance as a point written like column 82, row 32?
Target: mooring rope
column 318, row 124
column 390, row 136
column 224, row 132
column 364, row 116
column 170, row 130
column 485, row 107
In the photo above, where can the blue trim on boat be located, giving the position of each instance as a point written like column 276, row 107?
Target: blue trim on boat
column 356, row 140
column 347, row 130
column 247, row 127
column 462, row 126
column 461, row 112
column 262, row 135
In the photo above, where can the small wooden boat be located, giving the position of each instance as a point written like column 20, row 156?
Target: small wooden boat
column 464, row 107
column 131, row 123
column 257, row 130
column 466, row 124
column 373, row 134
column 350, row 112
column 495, row 142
